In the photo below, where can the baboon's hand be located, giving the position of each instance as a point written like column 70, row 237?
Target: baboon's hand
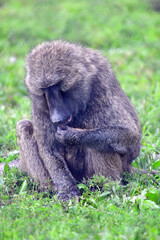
column 66, row 135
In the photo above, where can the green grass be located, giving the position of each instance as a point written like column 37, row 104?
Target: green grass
column 127, row 32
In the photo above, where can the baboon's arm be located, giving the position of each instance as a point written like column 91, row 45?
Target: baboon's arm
column 64, row 182
column 110, row 139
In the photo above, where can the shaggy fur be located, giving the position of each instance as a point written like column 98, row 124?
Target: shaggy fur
column 104, row 135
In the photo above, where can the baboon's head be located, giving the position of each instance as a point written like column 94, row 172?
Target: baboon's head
column 62, row 72
column 63, row 106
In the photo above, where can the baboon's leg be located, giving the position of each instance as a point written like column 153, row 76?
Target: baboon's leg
column 30, row 160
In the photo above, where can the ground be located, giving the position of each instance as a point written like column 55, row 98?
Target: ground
column 127, row 32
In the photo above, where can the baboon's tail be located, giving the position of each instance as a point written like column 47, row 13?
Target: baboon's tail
column 143, row 171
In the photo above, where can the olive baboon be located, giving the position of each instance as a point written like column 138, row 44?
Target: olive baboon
column 82, row 121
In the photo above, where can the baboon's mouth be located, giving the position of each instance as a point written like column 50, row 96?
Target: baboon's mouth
column 69, row 120
column 66, row 122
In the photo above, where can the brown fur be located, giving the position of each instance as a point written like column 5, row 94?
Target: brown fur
column 103, row 139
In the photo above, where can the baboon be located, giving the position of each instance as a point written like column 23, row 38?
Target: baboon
column 82, row 125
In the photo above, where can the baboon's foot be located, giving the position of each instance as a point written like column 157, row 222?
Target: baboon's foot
column 24, row 134
column 69, row 194
column 24, row 128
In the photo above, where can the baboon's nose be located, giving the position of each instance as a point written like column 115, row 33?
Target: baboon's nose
column 56, row 117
